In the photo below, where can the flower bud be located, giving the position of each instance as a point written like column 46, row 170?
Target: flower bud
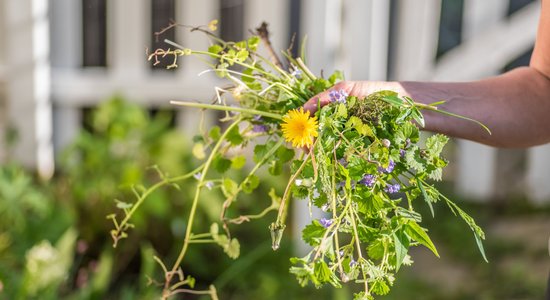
column 386, row 143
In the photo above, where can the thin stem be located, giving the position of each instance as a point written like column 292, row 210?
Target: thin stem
column 334, row 212
column 188, row 232
column 436, row 109
column 143, row 196
column 287, row 190
column 188, row 291
column 228, row 108
column 225, row 58
column 358, row 246
column 201, row 235
column 267, row 156
column 207, row 241
column 305, row 69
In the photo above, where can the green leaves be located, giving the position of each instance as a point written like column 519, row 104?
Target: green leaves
column 313, row 233
column 234, row 137
column 231, row 247
column 401, row 244
column 435, row 144
column 364, row 163
column 229, row 188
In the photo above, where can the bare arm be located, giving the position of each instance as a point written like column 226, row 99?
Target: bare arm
column 515, row 105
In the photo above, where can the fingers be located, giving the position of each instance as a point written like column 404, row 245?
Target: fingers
column 323, row 98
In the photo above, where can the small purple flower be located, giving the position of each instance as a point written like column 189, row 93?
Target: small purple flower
column 209, row 184
column 338, row 96
column 392, row 188
column 389, row 169
column 352, row 263
column 402, row 152
column 325, row 222
column 343, row 162
column 316, row 194
column 368, row 180
column 257, row 118
column 197, row 175
column 340, row 184
column 260, row 128
column 297, row 73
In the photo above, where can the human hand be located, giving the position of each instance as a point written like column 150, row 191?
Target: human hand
column 358, row 89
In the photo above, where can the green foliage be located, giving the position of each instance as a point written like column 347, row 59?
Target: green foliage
column 365, row 169
column 364, row 160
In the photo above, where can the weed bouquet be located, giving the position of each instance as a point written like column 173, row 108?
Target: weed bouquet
column 359, row 160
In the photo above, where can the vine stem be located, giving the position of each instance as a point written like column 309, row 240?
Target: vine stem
column 287, row 191
column 147, row 193
column 228, row 108
column 359, row 252
column 229, row 200
column 224, row 58
column 334, row 213
column 188, row 232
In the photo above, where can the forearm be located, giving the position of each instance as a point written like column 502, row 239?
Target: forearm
column 515, row 106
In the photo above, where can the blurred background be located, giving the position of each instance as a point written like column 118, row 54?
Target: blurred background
column 83, row 115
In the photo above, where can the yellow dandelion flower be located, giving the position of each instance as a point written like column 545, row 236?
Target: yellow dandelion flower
column 299, row 128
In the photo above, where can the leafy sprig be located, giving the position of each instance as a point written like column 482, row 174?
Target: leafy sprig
column 367, row 169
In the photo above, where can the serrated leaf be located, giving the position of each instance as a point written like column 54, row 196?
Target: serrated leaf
column 275, row 168
column 323, row 274
column 435, row 144
column 215, row 49
column 259, row 152
column 233, row 248
column 313, row 233
column 376, row 249
column 234, row 137
column 418, row 234
column 198, row 151
column 250, row 184
column 242, row 55
column 379, row 287
column 414, row 160
column 229, row 188
column 436, row 174
column 215, row 133
column 303, row 274
column 221, row 164
column 284, row 154
column 341, row 111
column 401, row 244
column 238, row 162
column 253, row 42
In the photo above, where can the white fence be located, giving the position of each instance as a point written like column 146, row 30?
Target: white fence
column 359, row 36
